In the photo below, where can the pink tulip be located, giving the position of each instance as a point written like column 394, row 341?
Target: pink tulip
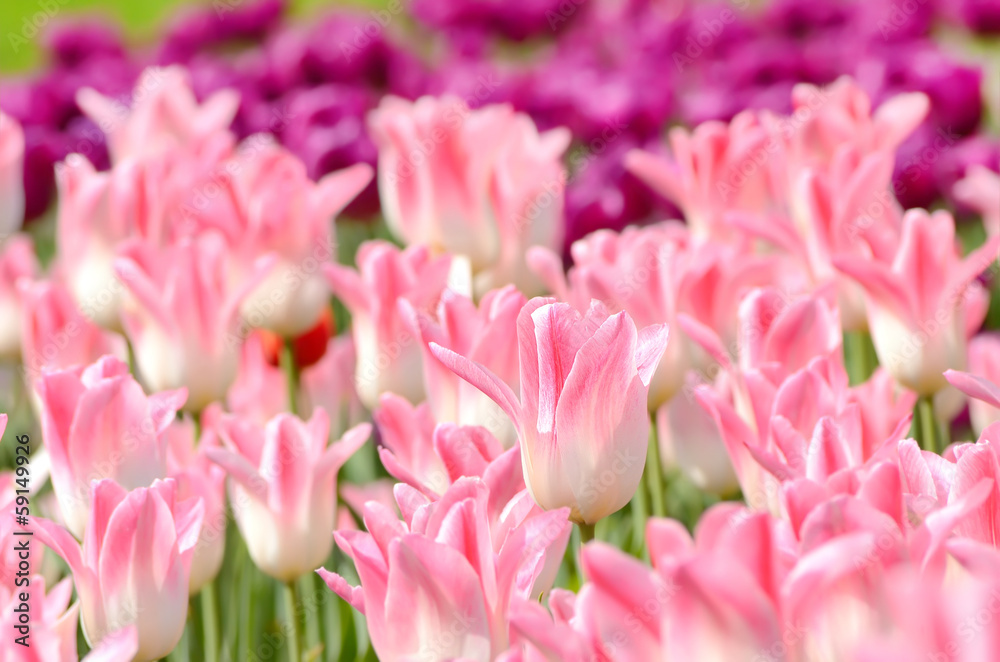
column 831, row 120
column 480, row 183
column 97, row 423
column 916, row 305
column 440, row 586
column 284, row 486
column 646, row 272
column 846, row 212
column 11, row 176
column 582, row 422
column 486, row 335
column 388, row 355
column 330, row 384
column 706, row 173
column 279, row 210
column 197, row 477
column 979, row 191
column 183, row 318
column 133, row 566
column 55, row 335
column 164, row 116
column 17, row 264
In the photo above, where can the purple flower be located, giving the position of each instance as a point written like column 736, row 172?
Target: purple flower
column 326, row 130
column 514, row 20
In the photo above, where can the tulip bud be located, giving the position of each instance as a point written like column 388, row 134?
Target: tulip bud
column 182, row 318
column 284, row 487
column 484, row 184
column 388, row 353
column 133, row 567
column 917, row 305
column 582, row 421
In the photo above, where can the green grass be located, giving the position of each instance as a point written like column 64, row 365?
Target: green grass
column 22, row 20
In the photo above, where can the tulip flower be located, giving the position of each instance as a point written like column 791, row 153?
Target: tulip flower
column 56, row 336
column 706, row 173
column 183, row 320
column 917, row 305
column 389, row 356
column 97, row 423
column 439, row 586
column 582, row 422
column 487, row 335
column 979, row 191
column 164, row 117
column 282, row 212
column 17, row 263
column 134, row 564
column 481, row 183
column 284, row 487
column 11, row 176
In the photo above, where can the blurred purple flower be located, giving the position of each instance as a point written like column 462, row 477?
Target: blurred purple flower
column 514, row 20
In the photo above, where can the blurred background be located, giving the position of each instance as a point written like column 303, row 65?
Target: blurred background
column 618, row 73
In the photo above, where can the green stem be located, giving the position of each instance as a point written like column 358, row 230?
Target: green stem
column 639, row 514
column 291, row 375
column 928, row 426
column 586, row 533
column 654, row 475
column 293, row 638
column 855, row 357
column 307, row 587
column 210, row 622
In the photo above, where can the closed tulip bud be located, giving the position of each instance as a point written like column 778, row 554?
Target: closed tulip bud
column 582, row 421
column 388, row 353
column 133, row 566
column 284, row 487
column 917, row 305
column 484, row 183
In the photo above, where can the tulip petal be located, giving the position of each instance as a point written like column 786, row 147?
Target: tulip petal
column 480, row 377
